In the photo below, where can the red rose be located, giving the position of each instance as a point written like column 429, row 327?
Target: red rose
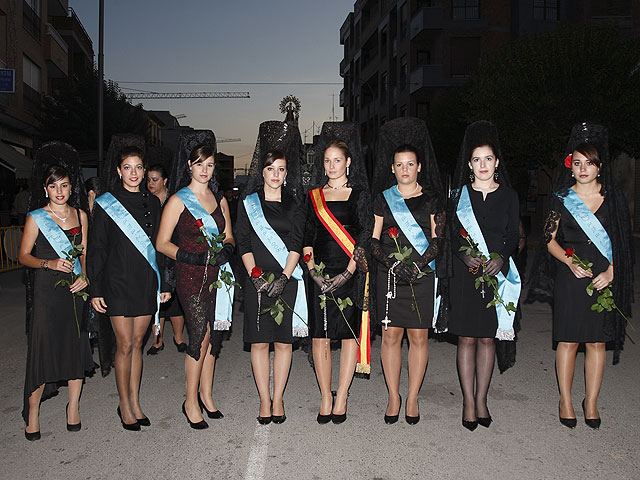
column 75, row 231
column 256, row 272
column 393, row 232
column 199, row 223
column 569, row 252
column 568, row 160
column 306, row 257
column 464, row 233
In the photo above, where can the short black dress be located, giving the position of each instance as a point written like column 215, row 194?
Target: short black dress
column 499, row 220
column 56, row 351
column 573, row 319
column 327, row 250
column 117, row 270
column 172, row 307
column 287, row 218
column 198, row 302
column 402, row 311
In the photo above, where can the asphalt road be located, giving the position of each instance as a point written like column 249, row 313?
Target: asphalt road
column 525, row 441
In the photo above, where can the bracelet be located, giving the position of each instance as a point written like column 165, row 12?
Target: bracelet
column 44, row 264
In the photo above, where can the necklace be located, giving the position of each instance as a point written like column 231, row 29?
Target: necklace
column 337, row 188
column 63, row 220
column 409, row 194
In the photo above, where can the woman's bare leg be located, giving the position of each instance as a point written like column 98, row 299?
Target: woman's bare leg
column 178, row 326
column 466, row 362
column 34, row 410
column 565, row 367
column 73, row 411
column 123, row 330
column 418, row 359
column 140, row 326
column 322, row 365
column 391, row 355
column 193, row 372
column 261, row 366
column 348, row 359
column 281, row 368
column 594, row 361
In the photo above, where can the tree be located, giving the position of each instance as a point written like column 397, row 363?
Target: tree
column 538, row 87
column 71, row 113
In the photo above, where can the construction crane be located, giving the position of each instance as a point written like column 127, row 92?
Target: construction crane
column 153, row 95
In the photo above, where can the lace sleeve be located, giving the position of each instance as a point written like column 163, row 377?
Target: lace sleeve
column 551, row 225
column 433, row 249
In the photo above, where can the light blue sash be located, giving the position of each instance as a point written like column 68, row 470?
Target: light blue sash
column 224, row 299
column 509, row 286
column 136, row 235
column 409, row 226
column 55, row 236
column 588, row 222
column 279, row 250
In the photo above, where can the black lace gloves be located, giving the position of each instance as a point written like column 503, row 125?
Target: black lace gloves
column 334, row 283
column 277, row 286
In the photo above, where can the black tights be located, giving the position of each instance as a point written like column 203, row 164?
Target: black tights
column 475, row 360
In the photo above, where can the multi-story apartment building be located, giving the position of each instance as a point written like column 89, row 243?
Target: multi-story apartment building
column 45, row 43
column 399, row 55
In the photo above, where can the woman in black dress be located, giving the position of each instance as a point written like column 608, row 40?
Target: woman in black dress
column 586, row 186
column 180, row 238
column 157, row 184
column 270, row 170
column 342, row 195
column 124, row 284
column 482, row 174
column 406, row 180
column 58, row 345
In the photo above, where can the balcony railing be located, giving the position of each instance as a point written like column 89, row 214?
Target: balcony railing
column 30, row 20
column 427, row 18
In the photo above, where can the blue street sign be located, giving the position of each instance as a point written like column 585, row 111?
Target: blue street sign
column 7, row 80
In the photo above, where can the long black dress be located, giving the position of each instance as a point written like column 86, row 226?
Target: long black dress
column 327, row 250
column 198, row 302
column 117, row 270
column 402, row 312
column 573, row 319
column 56, row 352
column 498, row 217
column 288, row 221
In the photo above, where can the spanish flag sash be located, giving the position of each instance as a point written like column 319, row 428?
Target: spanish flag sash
column 347, row 243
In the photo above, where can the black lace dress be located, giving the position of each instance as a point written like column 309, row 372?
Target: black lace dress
column 56, row 351
column 402, row 311
column 327, row 250
column 499, row 220
column 198, row 303
column 573, row 319
column 288, row 221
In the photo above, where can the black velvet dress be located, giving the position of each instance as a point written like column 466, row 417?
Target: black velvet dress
column 499, row 220
column 288, row 220
column 573, row 319
column 327, row 250
column 117, row 270
column 198, row 302
column 56, row 351
column 402, row 311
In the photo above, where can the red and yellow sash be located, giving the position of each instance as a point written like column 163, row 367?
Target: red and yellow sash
column 347, row 243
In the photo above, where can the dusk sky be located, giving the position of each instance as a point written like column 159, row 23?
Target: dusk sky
column 225, row 41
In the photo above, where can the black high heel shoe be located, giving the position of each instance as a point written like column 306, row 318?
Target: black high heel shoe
column 391, row 419
column 485, row 421
column 33, row 436
column 132, row 427
column 338, row 419
column 567, row 422
column 324, row 419
column 72, row 427
column 264, row 420
column 155, row 350
column 217, row 414
column 182, row 347
column 144, row 421
column 469, row 425
column 411, row 420
column 590, row 422
column 201, row 425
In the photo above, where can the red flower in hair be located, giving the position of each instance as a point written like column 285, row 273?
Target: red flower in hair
column 256, row 272
column 569, row 252
column 199, row 223
column 393, row 232
column 568, row 160
column 75, row 231
column 464, row 233
column 306, row 257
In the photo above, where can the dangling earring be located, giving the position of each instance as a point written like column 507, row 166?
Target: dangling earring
column 46, row 194
column 347, row 171
column 285, row 181
column 495, row 175
column 572, row 175
column 472, row 177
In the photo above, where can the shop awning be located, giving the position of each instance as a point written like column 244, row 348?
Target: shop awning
column 14, row 160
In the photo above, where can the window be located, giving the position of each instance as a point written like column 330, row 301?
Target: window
column 465, row 55
column 545, row 10
column 30, row 86
column 466, row 9
column 423, row 57
column 403, row 72
column 31, row 17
